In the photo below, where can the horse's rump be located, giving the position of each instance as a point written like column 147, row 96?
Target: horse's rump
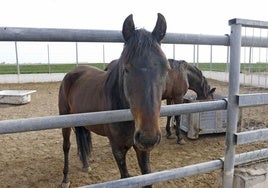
column 77, row 86
column 177, row 81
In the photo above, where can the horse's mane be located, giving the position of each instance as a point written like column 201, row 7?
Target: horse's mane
column 182, row 65
column 204, row 83
column 113, row 91
column 137, row 45
column 195, row 70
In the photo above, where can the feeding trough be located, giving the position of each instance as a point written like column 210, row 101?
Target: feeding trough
column 15, row 96
column 203, row 122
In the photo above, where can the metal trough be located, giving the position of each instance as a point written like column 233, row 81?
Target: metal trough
column 15, row 96
column 203, row 122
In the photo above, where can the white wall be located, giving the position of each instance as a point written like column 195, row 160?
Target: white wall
column 246, row 79
column 27, row 78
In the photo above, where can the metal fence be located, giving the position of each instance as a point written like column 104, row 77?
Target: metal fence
column 235, row 100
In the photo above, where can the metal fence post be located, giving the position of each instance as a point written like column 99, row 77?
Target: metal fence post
column 211, row 55
column 17, row 58
column 194, row 54
column 174, row 51
column 197, row 55
column 48, row 59
column 233, row 109
column 228, row 59
column 76, row 53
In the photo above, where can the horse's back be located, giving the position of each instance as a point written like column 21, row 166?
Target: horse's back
column 83, row 89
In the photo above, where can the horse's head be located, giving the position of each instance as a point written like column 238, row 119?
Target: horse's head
column 199, row 83
column 210, row 94
column 143, row 68
column 207, row 92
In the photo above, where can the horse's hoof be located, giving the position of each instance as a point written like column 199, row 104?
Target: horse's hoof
column 181, row 141
column 86, row 169
column 171, row 136
column 65, row 185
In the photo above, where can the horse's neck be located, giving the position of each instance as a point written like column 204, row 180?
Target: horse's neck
column 195, row 81
column 114, row 89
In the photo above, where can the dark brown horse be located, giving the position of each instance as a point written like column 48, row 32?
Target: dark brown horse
column 136, row 82
column 181, row 77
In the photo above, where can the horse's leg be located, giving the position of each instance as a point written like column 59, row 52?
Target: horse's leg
column 168, row 132
column 180, row 140
column 168, row 127
column 144, row 162
column 120, row 158
column 66, row 132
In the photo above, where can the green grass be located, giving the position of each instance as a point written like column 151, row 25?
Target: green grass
column 42, row 68
column 244, row 67
column 64, row 68
column 218, row 67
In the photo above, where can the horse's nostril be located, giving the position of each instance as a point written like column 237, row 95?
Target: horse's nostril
column 144, row 142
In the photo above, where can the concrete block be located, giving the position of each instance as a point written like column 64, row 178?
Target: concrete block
column 251, row 177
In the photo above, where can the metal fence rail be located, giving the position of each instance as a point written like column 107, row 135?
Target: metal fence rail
column 93, row 118
column 85, row 35
column 88, row 35
column 161, row 176
column 176, row 173
column 245, row 100
column 251, row 136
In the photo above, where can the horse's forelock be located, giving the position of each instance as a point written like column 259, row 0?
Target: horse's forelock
column 138, row 45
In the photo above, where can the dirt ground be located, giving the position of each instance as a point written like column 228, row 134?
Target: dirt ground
column 35, row 159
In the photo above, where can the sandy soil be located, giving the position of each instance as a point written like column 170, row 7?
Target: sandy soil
column 35, row 159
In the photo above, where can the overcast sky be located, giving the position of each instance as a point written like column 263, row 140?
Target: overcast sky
column 193, row 16
column 182, row 16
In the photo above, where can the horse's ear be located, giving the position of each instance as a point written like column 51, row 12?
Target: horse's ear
column 128, row 27
column 212, row 90
column 160, row 27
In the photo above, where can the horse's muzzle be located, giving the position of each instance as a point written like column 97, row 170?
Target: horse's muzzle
column 144, row 142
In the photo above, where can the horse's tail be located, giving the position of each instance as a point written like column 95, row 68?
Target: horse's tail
column 84, row 144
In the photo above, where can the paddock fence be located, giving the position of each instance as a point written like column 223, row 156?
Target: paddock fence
column 232, row 104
